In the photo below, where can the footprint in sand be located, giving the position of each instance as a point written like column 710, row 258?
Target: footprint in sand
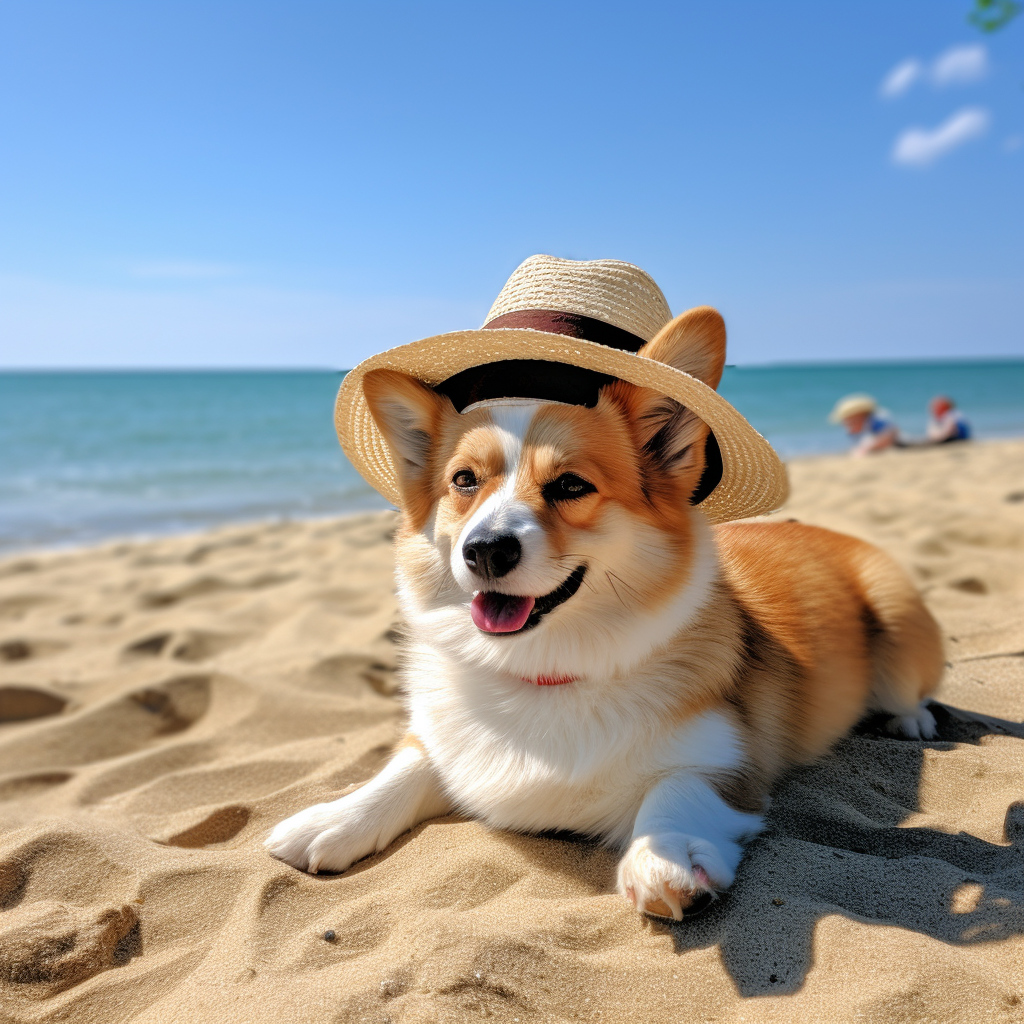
column 21, row 649
column 375, row 664
column 47, row 946
column 199, row 645
column 16, row 606
column 149, row 646
column 119, row 725
column 19, row 567
column 21, row 703
column 15, row 650
column 342, row 670
column 185, row 645
column 970, row 585
column 199, row 587
column 203, row 586
column 203, row 551
column 175, row 704
column 219, row 827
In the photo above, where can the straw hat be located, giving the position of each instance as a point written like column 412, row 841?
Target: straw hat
column 851, row 405
column 553, row 315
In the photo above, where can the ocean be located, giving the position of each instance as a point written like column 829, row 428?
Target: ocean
column 91, row 455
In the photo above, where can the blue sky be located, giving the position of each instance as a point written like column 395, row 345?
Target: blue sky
column 302, row 184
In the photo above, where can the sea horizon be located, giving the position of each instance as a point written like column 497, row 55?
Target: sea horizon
column 97, row 453
column 771, row 364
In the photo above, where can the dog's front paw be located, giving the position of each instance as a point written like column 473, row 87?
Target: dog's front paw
column 325, row 837
column 918, row 725
column 664, row 873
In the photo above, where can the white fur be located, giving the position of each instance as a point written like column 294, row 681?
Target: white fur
column 577, row 756
column 331, row 836
column 594, row 755
column 918, row 725
column 501, row 514
column 684, row 828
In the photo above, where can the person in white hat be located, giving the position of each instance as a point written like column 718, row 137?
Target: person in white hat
column 864, row 418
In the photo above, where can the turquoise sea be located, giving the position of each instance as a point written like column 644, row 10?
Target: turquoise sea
column 89, row 455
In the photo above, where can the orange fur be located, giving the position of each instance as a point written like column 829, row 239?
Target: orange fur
column 832, row 627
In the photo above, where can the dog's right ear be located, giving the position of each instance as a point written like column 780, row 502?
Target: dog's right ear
column 409, row 415
column 669, row 434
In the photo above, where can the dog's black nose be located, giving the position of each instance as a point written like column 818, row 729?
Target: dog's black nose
column 491, row 557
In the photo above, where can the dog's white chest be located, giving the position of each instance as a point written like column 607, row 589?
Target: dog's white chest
column 531, row 758
column 528, row 783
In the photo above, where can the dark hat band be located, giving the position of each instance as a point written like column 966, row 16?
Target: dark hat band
column 558, row 382
column 536, row 378
column 572, row 325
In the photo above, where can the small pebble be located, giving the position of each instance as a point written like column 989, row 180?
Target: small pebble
column 329, row 935
column 778, row 902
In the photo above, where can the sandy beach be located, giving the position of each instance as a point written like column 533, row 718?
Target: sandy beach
column 163, row 703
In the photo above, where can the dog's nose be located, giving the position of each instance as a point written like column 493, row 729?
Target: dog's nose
column 491, row 557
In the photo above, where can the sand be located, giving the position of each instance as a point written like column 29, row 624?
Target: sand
column 165, row 702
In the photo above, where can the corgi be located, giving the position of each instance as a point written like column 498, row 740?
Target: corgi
column 587, row 653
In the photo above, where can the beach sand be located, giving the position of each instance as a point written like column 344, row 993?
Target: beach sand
column 165, row 702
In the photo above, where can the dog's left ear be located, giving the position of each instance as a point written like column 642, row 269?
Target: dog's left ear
column 694, row 342
column 669, row 433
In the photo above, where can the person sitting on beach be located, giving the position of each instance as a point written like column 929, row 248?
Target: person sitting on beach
column 946, row 422
column 861, row 415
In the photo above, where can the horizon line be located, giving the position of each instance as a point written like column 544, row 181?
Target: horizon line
column 774, row 364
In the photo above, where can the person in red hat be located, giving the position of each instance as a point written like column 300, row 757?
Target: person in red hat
column 946, row 422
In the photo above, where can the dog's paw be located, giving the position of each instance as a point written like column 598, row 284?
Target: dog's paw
column 665, row 873
column 919, row 725
column 325, row 837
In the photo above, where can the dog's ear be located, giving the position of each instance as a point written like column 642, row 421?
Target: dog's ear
column 668, row 433
column 409, row 415
column 694, row 342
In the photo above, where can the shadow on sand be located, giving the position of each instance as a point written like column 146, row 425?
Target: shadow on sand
column 834, row 845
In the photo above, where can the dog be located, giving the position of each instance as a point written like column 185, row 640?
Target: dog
column 587, row 653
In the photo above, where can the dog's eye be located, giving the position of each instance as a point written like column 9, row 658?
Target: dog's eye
column 567, row 487
column 464, row 480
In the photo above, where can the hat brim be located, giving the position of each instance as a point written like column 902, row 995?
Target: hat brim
column 753, row 479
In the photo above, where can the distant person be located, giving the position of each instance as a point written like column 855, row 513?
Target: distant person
column 946, row 422
column 863, row 418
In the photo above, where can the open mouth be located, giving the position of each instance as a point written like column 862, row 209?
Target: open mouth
column 512, row 613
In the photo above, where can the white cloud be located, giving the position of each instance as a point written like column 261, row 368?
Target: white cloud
column 901, row 78
column 957, row 65
column 182, row 270
column 960, row 64
column 919, row 146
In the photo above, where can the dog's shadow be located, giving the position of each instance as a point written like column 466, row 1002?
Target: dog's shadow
column 834, row 845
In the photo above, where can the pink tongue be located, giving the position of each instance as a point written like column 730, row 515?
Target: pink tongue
column 500, row 613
